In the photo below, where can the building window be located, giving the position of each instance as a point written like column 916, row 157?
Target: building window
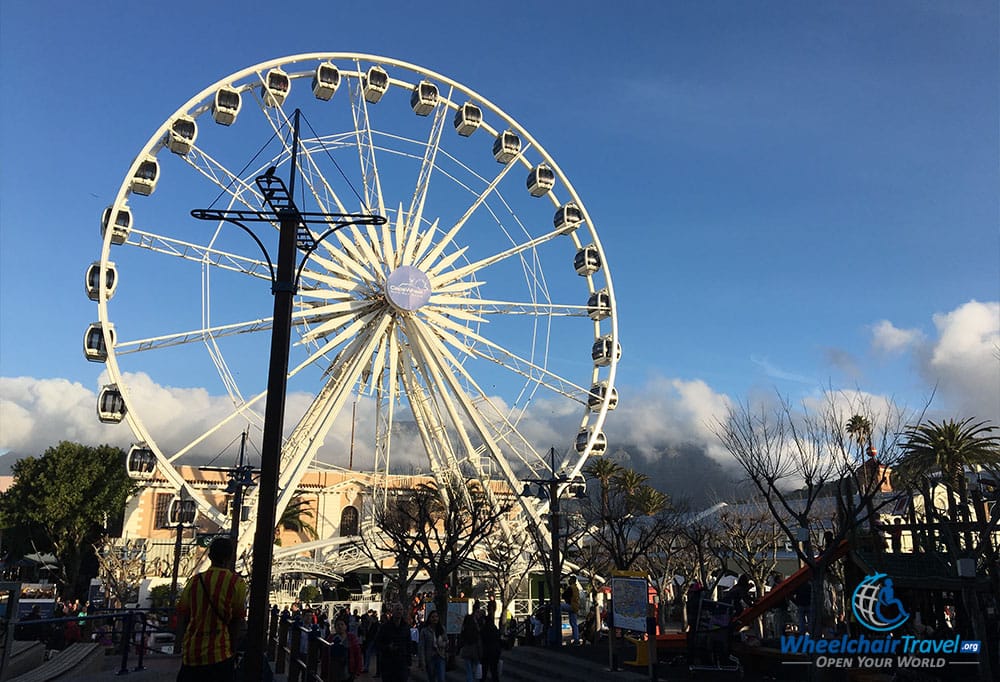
column 161, row 516
column 349, row 521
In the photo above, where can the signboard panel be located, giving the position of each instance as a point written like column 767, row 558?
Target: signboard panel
column 629, row 596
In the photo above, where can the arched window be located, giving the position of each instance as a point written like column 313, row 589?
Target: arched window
column 349, row 521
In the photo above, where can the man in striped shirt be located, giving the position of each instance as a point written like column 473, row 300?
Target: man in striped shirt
column 211, row 614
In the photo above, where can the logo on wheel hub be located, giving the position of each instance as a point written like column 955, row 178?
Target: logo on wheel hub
column 408, row 288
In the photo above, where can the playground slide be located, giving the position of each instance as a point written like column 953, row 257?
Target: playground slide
column 783, row 590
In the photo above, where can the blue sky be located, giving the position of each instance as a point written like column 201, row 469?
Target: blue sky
column 791, row 196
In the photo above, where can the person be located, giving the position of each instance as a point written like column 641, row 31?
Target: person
column 371, row 635
column 739, row 594
column 571, row 604
column 345, row 653
column 393, row 646
column 433, row 647
column 802, row 598
column 896, row 535
column 489, row 636
column 211, row 614
column 471, row 651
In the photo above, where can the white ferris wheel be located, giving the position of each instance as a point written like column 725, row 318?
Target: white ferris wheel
column 479, row 313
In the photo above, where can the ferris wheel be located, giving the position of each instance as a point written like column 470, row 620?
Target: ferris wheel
column 480, row 313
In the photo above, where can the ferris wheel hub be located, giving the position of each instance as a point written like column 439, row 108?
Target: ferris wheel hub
column 407, row 288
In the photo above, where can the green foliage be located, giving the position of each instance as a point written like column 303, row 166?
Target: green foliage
column 66, row 495
column 310, row 594
column 294, row 517
column 160, row 595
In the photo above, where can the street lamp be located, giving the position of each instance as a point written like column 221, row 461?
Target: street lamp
column 550, row 489
column 293, row 233
column 182, row 513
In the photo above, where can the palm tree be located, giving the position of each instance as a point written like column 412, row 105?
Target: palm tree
column 950, row 447
column 294, row 519
column 859, row 428
column 648, row 501
column 604, row 470
column 628, row 481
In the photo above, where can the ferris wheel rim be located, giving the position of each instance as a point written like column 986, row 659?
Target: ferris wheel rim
column 195, row 107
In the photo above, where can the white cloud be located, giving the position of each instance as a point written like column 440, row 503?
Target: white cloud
column 888, row 338
column 668, row 410
column 964, row 361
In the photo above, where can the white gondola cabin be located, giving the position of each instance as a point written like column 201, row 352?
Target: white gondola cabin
column 600, row 445
column 603, row 351
column 424, row 98
column 540, row 180
column 468, row 118
column 276, row 87
column 94, row 348
column 226, row 106
column 94, row 280
column 141, row 462
column 506, row 147
column 567, row 218
column 146, row 175
column 182, row 512
column 597, row 393
column 376, row 84
column 110, row 405
column 587, row 260
column 122, row 224
column 182, row 134
column 599, row 305
column 326, row 80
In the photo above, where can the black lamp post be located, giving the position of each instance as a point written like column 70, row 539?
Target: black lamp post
column 550, row 489
column 183, row 511
column 293, row 233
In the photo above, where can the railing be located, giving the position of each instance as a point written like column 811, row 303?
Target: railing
column 119, row 632
column 297, row 650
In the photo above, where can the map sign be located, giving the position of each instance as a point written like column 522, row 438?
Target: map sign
column 630, row 596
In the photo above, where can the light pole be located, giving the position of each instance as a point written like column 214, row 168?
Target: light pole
column 183, row 511
column 293, row 233
column 550, row 489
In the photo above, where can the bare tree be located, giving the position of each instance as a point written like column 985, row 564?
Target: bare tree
column 434, row 529
column 798, row 460
column 508, row 565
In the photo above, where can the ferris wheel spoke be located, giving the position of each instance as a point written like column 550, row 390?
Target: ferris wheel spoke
column 474, row 414
column 434, row 435
column 239, row 190
column 347, row 332
column 439, row 278
column 127, row 347
column 451, row 331
column 406, row 239
column 308, row 436
column 372, row 186
column 197, row 253
column 477, row 308
column 240, row 411
column 449, row 237
column 334, row 316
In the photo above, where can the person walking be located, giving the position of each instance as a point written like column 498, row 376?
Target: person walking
column 393, row 646
column 472, row 647
column 433, row 647
column 489, row 635
column 211, row 614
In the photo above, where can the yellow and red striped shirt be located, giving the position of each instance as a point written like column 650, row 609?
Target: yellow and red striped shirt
column 210, row 601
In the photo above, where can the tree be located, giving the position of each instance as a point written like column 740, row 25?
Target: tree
column 802, row 461
column 634, row 520
column 68, row 494
column 121, row 568
column 603, row 470
column 434, row 528
column 950, row 447
column 294, row 517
